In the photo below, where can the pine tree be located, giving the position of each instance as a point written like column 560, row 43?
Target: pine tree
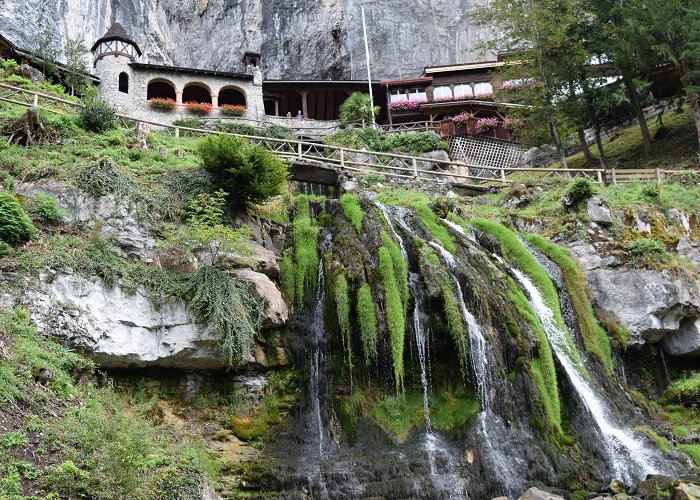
column 76, row 66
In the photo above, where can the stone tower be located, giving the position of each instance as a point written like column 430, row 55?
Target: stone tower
column 112, row 55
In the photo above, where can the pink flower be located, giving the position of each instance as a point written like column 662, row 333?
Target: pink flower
column 462, row 118
column 487, row 124
column 406, row 105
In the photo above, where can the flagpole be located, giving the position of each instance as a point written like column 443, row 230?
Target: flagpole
column 369, row 75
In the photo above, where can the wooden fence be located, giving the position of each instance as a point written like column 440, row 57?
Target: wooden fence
column 344, row 159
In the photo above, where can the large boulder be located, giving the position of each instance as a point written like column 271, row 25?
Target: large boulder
column 599, row 211
column 127, row 330
column 262, row 288
column 537, row 494
column 686, row 491
column 651, row 304
column 685, row 341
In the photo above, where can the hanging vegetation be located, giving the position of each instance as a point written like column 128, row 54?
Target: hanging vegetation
column 352, row 210
column 342, row 305
column 400, row 268
column 367, row 316
column 395, row 317
column 305, row 239
column 228, row 305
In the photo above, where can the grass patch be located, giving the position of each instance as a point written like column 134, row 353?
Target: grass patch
column 450, row 410
column 675, row 145
column 693, row 450
column 98, row 448
column 595, row 339
column 352, row 210
column 400, row 267
column 420, row 204
column 685, row 390
column 515, row 252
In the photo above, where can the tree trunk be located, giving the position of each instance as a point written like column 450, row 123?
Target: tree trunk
column 695, row 107
column 560, row 147
column 584, row 145
column 638, row 111
column 599, row 143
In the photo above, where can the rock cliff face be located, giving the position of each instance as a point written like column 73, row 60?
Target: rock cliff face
column 298, row 39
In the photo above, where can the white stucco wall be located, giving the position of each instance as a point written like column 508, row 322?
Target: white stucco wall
column 135, row 104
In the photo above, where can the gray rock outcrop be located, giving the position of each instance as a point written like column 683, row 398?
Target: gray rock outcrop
column 319, row 39
column 121, row 330
column 114, row 218
column 651, row 304
column 537, row 494
column 599, row 211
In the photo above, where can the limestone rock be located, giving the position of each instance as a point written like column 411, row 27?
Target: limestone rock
column 649, row 303
column 537, row 494
column 685, row 341
column 115, row 219
column 686, row 491
column 122, row 330
column 599, row 211
column 263, row 288
column 265, row 260
column 119, row 330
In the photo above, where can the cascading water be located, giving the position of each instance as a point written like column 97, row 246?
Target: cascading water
column 630, row 458
column 316, row 331
column 481, row 359
column 467, row 232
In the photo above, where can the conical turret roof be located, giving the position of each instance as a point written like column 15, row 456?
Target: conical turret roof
column 116, row 32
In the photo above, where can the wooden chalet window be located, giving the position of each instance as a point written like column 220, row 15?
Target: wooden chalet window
column 483, row 88
column 463, row 90
column 417, row 93
column 398, row 95
column 442, row 92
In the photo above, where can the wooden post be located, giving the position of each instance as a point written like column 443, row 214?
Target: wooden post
column 342, row 159
column 614, row 177
column 36, row 100
column 600, row 177
column 177, row 132
column 503, row 175
column 299, row 151
column 658, row 175
column 415, row 167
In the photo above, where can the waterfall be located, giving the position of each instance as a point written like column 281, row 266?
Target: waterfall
column 316, row 331
column 478, row 347
column 630, row 458
column 467, row 232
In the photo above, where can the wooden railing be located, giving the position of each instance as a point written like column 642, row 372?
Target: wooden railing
column 397, row 128
column 345, row 159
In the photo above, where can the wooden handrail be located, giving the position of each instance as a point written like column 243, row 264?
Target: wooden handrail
column 300, row 149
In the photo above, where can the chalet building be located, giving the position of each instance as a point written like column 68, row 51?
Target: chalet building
column 316, row 99
column 129, row 84
column 443, row 92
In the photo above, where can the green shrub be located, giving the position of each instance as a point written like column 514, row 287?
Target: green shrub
column 15, row 225
column 578, row 192
column 103, row 178
column 238, row 128
column 400, row 267
column 250, row 174
column 651, row 191
column 646, row 251
column 46, row 207
column 189, row 122
column 352, row 210
column 356, row 138
column 367, row 317
column 395, row 318
column 415, row 143
column 5, row 249
column 97, row 115
column 358, row 108
column 287, row 279
column 227, row 304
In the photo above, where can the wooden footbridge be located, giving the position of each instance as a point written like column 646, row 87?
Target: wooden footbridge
column 322, row 163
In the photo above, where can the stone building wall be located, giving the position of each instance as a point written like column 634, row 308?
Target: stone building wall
column 134, row 103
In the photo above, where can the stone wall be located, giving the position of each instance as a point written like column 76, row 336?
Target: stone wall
column 135, row 104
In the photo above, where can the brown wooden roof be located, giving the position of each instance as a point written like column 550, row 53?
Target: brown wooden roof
column 116, row 32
